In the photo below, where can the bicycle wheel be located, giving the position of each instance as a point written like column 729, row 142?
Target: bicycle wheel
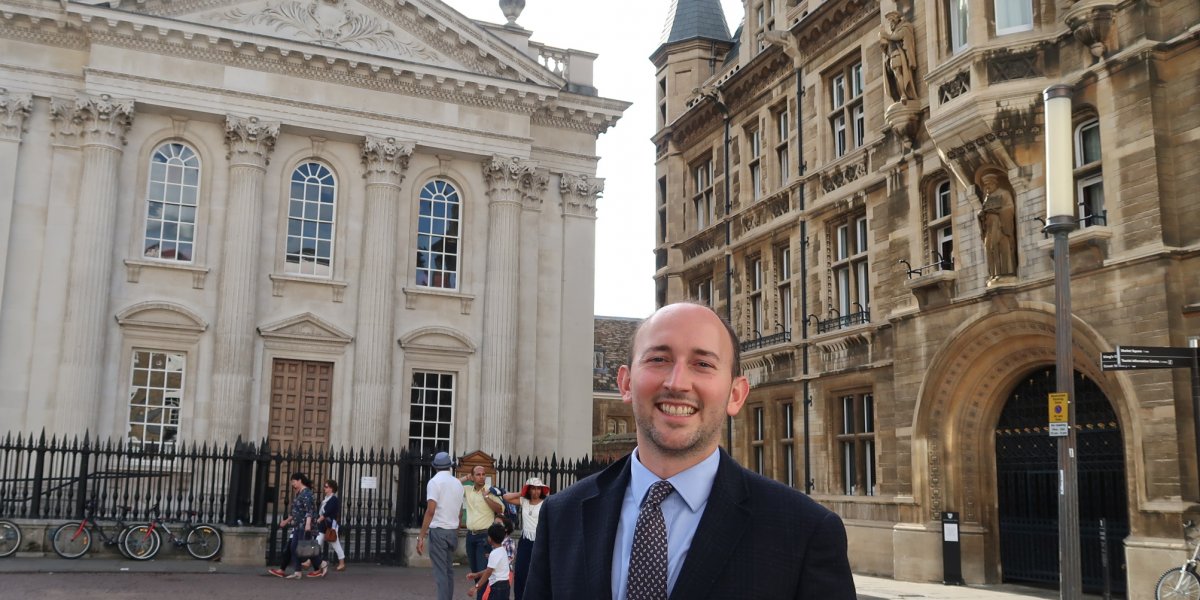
column 204, row 541
column 10, row 538
column 142, row 542
column 71, row 540
column 1178, row 584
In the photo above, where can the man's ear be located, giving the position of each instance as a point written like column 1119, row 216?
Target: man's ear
column 623, row 384
column 738, row 392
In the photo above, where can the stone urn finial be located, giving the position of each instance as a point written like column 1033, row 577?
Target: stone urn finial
column 512, row 9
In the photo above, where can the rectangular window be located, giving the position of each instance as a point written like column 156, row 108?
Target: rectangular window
column 847, row 117
column 756, row 183
column 856, row 440
column 958, row 25
column 785, row 288
column 850, row 271
column 703, row 292
column 941, row 228
column 781, row 147
column 1089, row 176
column 760, row 466
column 155, row 394
column 1013, row 16
column 787, row 444
column 702, row 199
column 755, row 273
column 431, row 412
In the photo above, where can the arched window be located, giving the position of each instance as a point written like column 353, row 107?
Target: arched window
column 311, row 213
column 438, row 235
column 941, row 227
column 171, row 196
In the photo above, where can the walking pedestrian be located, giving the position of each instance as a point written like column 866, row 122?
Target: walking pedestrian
column 444, row 501
column 330, row 513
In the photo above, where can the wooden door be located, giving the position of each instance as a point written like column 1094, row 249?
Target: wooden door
column 301, row 397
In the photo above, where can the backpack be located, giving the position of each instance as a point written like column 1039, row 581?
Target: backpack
column 511, row 511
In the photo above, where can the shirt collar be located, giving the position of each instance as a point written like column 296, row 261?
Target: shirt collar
column 693, row 484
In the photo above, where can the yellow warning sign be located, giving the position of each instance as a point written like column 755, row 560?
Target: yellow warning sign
column 1058, row 407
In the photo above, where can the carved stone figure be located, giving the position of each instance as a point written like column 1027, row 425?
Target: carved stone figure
column 898, row 42
column 997, row 222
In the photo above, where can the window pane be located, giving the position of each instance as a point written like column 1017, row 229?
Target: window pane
column 1013, row 16
column 431, row 410
column 312, row 210
column 437, row 266
column 1088, row 143
column 958, row 24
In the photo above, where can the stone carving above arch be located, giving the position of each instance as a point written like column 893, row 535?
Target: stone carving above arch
column 305, row 327
column 162, row 316
column 438, row 340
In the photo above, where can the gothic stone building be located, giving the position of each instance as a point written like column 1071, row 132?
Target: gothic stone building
column 362, row 223
column 859, row 186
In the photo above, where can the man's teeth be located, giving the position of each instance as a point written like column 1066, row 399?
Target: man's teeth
column 677, row 410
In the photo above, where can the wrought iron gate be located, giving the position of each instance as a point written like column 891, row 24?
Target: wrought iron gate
column 1027, row 484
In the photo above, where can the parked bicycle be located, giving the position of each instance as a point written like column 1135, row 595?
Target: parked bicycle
column 10, row 538
column 1182, row 582
column 202, row 541
column 74, row 538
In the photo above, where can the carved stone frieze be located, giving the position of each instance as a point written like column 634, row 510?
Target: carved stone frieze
column 713, row 237
column 764, row 212
column 579, row 194
column 959, row 85
column 250, row 140
column 830, row 22
column 102, row 119
column 14, row 109
column 385, row 159
column 1003, row 65
column 843, row 174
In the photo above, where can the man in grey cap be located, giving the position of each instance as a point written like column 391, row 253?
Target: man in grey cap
column 445, row 497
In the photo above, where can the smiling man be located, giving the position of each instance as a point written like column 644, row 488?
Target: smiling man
column 678, row 518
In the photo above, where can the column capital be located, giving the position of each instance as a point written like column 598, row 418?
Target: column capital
column 385, row 159
column 506, row 176
column 102, row 119
column 579, row 194
column 250, row 140
column 533, row 188
column 14, row 109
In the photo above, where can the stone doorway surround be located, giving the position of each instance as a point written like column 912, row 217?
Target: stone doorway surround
column 967, row 385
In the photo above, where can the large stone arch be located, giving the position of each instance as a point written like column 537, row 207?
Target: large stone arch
column 965, row 389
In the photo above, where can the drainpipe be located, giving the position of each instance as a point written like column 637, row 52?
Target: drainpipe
column 802, row 167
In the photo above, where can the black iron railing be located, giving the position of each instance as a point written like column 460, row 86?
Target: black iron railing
column 767, row 340
column 841, row 322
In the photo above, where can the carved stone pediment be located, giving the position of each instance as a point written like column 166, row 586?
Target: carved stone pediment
column 161, row 316
column 438, row 340
column 306, row 327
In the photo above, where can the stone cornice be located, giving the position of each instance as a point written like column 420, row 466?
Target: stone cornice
column 14, row 109
column 250, row 140
column 385, row 159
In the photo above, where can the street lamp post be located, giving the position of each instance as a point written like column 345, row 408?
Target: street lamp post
column 1061, row 221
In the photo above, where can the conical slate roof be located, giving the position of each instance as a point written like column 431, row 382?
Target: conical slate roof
column 690, row 19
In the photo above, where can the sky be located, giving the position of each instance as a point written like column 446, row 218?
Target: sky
column 624, row 33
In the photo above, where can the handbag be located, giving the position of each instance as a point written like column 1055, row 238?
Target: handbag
column 307, row 548
column 331, row 535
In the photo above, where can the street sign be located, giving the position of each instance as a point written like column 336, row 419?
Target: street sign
column 1121, row 361
column 1059, row 429
column 1155, row 351
column 1058, row 407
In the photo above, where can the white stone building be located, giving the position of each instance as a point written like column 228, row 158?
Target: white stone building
column 352, row 223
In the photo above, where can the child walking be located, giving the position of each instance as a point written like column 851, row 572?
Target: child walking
column 495, row 576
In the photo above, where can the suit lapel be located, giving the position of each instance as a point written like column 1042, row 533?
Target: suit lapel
column 601, row 514
column 721, row 528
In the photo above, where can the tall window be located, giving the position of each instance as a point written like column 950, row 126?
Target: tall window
column 755, row 272
column 155, row 393
column 847, row 119
column 760, row 459
column 311, row 212
column 958, row 25
column 703, row 291
column 941, row 229
column 785, row 287
column 431, row 411
column 787, row 444
column 702, row 200
column 1013, row 16
column 171, row 196
column 438, row 235
column 851, row 272
column 1089, row 180
column 781, row 146
column 756, row 183
column 856, row 444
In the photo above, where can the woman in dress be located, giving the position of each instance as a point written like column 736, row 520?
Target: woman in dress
column 531, row 496
column 303, row 519
column 331, row 511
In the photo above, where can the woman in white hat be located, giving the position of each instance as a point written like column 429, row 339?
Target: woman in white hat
column 531, row 496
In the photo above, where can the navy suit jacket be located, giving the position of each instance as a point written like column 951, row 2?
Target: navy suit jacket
column 757, row 539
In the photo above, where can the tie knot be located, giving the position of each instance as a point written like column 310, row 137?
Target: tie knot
column 658, row 492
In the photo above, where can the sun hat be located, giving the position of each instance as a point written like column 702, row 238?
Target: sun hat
column 537, row 483
column 441, row 461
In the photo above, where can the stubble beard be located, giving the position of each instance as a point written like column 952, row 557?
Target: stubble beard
column 704, row 436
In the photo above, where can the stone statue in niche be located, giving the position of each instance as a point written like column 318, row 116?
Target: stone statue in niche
column 997, row 223
column 898, row 42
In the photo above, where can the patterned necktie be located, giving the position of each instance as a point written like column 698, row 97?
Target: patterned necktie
column 648, row 559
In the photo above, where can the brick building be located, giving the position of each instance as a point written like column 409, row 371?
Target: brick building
column 859, row 186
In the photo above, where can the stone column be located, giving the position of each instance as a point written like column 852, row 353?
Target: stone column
column 573, row 428
column 505, row 178
column 14, row 109
column 103, row 122
column 250, row 143
column 386, row 161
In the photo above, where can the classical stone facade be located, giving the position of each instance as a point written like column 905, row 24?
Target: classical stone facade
column 859, row 186
column 358, row 223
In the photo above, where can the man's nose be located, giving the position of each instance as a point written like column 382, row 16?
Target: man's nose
column 680, row 377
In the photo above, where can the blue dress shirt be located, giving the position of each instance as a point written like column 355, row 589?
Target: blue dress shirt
column 681, row 510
